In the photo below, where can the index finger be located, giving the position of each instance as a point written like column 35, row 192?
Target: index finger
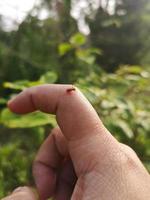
column 75, row 115
column 88, row 139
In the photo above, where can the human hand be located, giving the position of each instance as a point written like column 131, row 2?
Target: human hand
column 22, row 193
column 81, row 159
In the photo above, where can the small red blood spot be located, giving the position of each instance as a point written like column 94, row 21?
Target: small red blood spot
column 69, row 90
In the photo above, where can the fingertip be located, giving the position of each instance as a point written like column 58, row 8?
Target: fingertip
column 22, row 103
column 23, row 192
column 10, row 105
column 10, row 102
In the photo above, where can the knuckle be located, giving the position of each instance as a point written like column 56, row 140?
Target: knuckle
column 128, row 157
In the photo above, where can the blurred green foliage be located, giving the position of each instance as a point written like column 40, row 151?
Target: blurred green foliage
column 110, row 66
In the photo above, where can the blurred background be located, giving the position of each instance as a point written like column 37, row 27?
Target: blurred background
column 101, row 46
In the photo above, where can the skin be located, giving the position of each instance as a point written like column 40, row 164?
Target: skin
column 80, row 160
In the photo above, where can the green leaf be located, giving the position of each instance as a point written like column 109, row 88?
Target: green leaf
column 49, row 77
column 64, row 48
column 130, row 70
column 17, row 85
column 21, row 85
column 3, row 101
column 34, row 119
column 125, row 128
column 85, row 55
column 78, row 39
column 95, row 51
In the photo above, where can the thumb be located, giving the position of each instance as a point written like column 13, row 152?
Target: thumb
column 76, row 117
column 22, row 193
